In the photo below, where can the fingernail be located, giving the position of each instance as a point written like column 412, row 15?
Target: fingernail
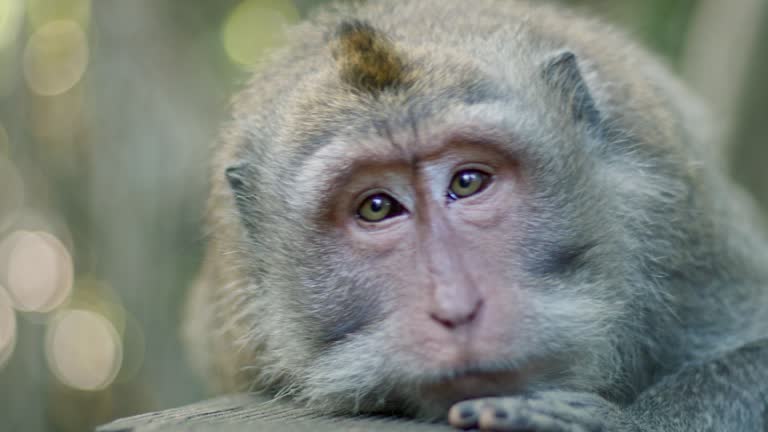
column 466, row 413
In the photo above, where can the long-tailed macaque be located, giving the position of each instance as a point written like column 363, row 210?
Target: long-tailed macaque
column 499, row 214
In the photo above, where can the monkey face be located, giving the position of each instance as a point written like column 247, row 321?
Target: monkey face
column 438, row 274
column 440, row 232
column 435, row 263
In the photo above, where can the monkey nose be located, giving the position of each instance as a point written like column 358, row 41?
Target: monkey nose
column 452, row 317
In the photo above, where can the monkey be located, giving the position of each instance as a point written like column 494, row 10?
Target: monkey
column 503, row 215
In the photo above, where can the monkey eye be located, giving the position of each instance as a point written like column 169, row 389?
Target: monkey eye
column 379, row 207
column 467, row 183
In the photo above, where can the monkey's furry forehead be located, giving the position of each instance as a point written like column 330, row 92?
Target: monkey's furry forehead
column 391, row 64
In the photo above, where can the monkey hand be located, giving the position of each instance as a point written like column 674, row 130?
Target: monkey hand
column 549, row 411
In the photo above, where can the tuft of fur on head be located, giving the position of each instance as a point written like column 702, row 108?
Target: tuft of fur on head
column 367, row 60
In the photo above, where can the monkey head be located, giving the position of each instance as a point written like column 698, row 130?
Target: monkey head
column 405, row 221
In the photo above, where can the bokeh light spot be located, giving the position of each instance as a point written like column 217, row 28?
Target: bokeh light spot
column 38, row 270
column 253, row 26
column 83, row 350
column 55, row 57
column 11, row 12
column 7, row 328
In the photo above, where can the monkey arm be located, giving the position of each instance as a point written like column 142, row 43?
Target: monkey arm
column 729, row 393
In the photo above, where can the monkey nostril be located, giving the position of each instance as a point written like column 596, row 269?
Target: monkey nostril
column 446, row 323
column 451, row 320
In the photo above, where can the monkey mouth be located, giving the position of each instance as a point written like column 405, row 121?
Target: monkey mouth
column 474, row 383
column 491, row 379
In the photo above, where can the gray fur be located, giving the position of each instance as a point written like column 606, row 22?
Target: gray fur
column 651, row 267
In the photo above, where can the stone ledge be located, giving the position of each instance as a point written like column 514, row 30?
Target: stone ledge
column 251, row 413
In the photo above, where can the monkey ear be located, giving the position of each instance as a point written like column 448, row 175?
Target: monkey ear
column 240, row 179
column 561, row 72
column 236, row 177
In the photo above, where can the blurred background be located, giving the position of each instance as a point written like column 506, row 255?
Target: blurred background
column 107, row 112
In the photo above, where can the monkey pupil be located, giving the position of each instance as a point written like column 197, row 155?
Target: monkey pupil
column 466, row 180
column 377, row 204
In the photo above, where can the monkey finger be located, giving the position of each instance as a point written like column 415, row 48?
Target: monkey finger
column 465, row 415
column 569, row 412
column 523, row 420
